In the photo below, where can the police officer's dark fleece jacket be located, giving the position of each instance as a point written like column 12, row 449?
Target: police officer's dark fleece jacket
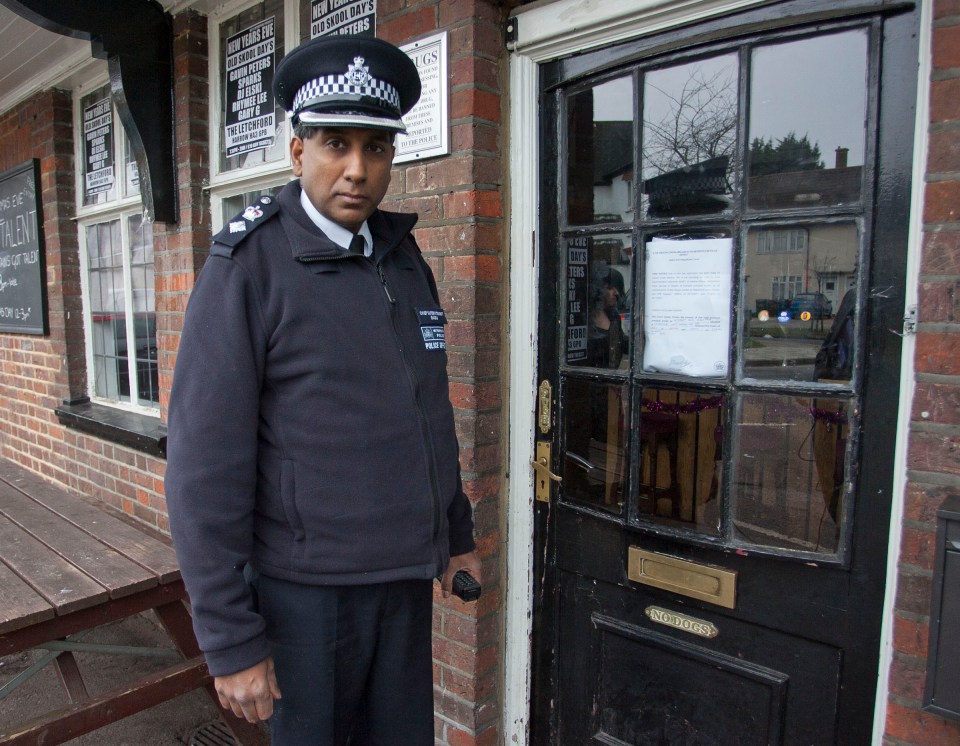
column 310, row 430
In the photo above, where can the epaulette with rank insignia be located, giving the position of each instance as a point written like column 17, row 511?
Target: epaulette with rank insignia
column 243, row 225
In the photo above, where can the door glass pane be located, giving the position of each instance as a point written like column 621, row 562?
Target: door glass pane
column 800, row 302
column 595, row 426
column 599, row 277
column 681, row 458
column 600, row 154
column 689, row 137
column 808, row 102
column 789, row 472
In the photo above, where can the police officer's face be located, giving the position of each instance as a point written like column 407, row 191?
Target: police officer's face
column 345, row 172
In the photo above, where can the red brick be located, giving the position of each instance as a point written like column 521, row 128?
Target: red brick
column 472, row 268
column 918, row 547
column 941, row 252
column 906, row 678
column 938, row 352
column 946, row 47
column 943, row 155
column 940, row 402
column 455, row 11
column 911, row 637
column 475, row 102
column 942, row 202
column 923, row 500
column 475, row 396
column 934, row 452
column 471, row 70
column 405, row 28
column 945, row 100
column 912, row 726
column 485, row 204
column 939, row 301
column 913, row 593
column 946, row 8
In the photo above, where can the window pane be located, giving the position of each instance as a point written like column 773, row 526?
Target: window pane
column 107, row 311
column 681, row 459
column 600, row 154
column 808, row 103
column 689, row 137
column 144, row 306
column 131, row 173
column 790, row 471
column 231, row 206
column 595, row 426
column 800, row 302
column 598, row 301
column 246, row 91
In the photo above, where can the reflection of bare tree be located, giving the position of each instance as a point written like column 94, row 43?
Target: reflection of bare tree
column 699, row 121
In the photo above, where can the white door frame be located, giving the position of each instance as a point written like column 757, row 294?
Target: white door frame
column 543, row 33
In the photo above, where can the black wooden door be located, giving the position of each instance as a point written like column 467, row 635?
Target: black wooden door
column 723, row 242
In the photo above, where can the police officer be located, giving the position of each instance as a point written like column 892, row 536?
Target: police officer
column 313, row 483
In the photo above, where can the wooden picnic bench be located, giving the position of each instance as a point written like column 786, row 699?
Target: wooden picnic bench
column 66, row 567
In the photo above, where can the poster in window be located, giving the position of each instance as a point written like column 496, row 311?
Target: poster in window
column 687, row 306
column 23, row 286
column 578, row 252
column 334, row 17
column 427, row 122
column 98, row 148
column 250, row 121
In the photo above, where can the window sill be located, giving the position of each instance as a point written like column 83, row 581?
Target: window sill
column 137, row 431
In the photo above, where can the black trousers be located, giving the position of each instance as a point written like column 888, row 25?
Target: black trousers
column 353, row 663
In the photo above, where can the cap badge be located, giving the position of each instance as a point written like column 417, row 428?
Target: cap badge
column 358, row 74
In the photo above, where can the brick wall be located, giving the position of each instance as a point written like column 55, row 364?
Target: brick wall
column 933, row 462
column 462, row 233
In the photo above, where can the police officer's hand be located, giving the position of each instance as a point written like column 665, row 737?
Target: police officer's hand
column 249, row 694
column 469, row 562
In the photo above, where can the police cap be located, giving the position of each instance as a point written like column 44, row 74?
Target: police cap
column 347, row 81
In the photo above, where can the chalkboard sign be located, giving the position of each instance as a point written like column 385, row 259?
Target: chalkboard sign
column 23, row 285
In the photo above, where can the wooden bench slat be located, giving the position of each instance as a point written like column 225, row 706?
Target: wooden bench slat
column 109, row 568
column 63, row 585
column 129, row 541
column 20, row 605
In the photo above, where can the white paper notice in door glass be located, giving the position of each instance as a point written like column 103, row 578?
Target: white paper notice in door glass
column 687, row 306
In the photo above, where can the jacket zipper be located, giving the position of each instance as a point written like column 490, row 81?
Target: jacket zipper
column 424, row 421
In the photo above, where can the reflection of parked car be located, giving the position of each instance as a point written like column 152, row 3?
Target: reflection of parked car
column 817, row 304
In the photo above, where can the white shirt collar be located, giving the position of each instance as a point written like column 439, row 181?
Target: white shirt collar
column 334, row 231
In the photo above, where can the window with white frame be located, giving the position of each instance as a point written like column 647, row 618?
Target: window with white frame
column 116, row 250
column 786, row 286
column 250, row 134
column 781, row 240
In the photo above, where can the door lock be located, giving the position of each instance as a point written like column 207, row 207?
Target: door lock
column 541, row 465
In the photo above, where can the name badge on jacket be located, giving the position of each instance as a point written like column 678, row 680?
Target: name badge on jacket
column 431, row 327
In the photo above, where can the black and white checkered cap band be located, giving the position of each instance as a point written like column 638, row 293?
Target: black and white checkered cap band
column 334, row 85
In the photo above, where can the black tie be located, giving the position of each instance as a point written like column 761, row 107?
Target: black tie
column 356, row 245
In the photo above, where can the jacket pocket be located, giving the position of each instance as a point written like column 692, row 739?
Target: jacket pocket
column 288, row 500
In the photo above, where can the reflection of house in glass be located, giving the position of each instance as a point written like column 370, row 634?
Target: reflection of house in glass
column 613, row 172
column 786, row 260
column 699, row 188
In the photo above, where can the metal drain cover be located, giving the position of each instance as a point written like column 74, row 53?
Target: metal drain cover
column 211, row 734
